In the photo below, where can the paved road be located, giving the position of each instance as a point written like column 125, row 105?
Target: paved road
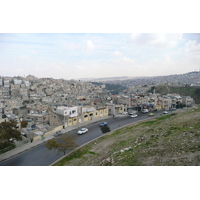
column 41, row 156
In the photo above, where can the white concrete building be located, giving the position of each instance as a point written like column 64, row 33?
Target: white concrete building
column 17, row 81
column 67, row 111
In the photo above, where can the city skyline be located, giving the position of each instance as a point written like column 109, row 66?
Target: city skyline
column 98, row 55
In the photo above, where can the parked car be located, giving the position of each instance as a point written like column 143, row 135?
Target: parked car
column 33, row 126
column 124, row 113
column 103, row 124
column 134, row 115
column 165, row 112
column 151, row 114
column 145, row 111
column 83, row 130
column 57, row 133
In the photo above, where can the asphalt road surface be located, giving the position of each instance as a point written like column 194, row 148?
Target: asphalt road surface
column 41, row 156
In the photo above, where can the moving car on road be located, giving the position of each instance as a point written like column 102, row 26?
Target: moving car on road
column 103, row 124
column 124, row 113
column 134, row 115
column 165, row 112
column 57, row 133
column 145, row 111
column 83, row 130
column 151, row 114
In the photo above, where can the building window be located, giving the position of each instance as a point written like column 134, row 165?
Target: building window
column 85, row 116
column 96, row 113
column 74, row 119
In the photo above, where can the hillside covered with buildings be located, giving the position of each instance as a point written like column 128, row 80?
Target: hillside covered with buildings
column 46, row 103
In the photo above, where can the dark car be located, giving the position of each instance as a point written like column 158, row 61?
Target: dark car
column 33, row 126
column 103, row 124
column 4, row 116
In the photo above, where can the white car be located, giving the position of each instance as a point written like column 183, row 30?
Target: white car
column 165, row 112
column 83, row 130
column 134, row 115
column 124, row 113
column 145, row 111
column 57, row 133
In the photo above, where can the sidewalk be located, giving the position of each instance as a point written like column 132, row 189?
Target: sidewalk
column 29, row 145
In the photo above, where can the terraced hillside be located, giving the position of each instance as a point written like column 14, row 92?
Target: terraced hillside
column 168, row 140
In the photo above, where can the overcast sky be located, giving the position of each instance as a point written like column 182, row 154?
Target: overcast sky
column 73, row 56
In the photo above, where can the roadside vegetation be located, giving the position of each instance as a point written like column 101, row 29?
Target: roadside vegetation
column 168, row 140
column 61, row 144
column 9, row 133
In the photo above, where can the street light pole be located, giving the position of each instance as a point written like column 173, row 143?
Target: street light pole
column 20, row 124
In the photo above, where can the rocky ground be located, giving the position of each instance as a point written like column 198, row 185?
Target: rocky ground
column 168, row 140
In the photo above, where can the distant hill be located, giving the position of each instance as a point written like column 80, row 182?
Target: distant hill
column 105, row 79
column 112, row 88
column 176, row 79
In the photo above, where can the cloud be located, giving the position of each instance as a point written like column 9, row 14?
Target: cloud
column 33, row 52
column 71, row 46
column 127, row 60
column 117, row 53
column 90, row 46
column 24, row 56
column 190, row 54
column 142, row 38
column 191, row 47
column 155, row 40
column 123, row 59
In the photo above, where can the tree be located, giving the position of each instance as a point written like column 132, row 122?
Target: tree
column 9, row 133
column 197, row 91
column 24, row 124
column 62, row 144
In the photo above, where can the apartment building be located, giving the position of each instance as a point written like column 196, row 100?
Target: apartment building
column 114, row 109
column 188, row 101
column 63, row 115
